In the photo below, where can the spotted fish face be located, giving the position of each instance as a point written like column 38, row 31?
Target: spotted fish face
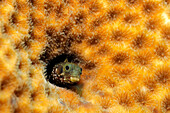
column 66, row 73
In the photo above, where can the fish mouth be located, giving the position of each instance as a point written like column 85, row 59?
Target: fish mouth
column 74, row 79
column 71, row 79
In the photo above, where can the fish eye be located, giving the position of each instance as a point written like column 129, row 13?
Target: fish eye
column 58, row 69
column 67, row 68
column 80, row 71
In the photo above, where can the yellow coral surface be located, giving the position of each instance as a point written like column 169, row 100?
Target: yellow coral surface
column 123, row 47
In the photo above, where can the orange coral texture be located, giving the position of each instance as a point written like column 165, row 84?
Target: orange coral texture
column 125, row 45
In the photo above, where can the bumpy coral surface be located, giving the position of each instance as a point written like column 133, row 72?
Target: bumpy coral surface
column 123, row 47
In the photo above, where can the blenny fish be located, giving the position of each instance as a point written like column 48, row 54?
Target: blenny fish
column 66, row 73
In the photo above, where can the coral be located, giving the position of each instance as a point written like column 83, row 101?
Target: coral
column 123, row 47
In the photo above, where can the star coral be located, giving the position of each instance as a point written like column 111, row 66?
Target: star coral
column 123, row 47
